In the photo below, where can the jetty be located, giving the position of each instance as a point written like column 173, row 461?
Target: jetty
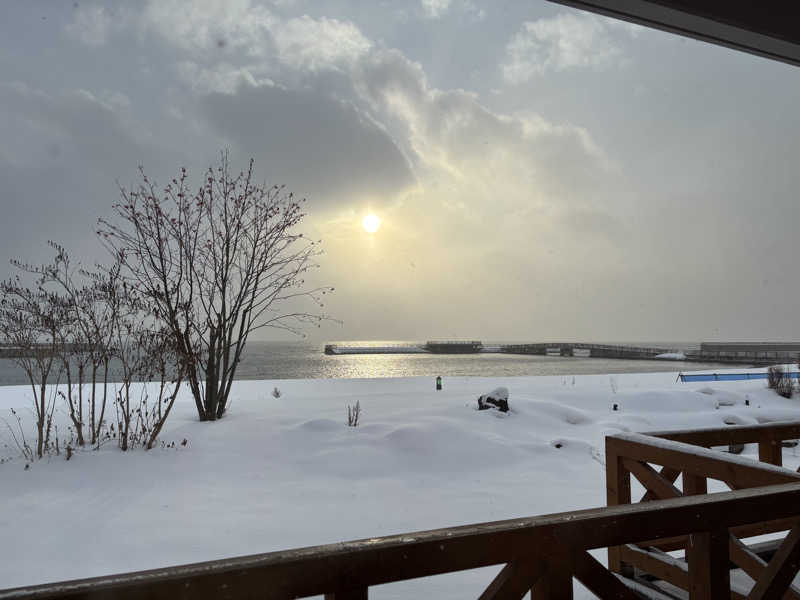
column 759, row 354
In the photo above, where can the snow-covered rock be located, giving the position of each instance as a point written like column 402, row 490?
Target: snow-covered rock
column 496, row 399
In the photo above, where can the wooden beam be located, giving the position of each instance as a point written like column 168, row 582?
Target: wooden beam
column 668, row 474
column 770, row 451
column 651, row 479
column 352, row 594
column 709, row 574
column 514, row 580
column 780, row 571
column 752, row 564
column 733, row 434
column 618, row 492
column 694, row 484
column 556, row 581
column 666, row 567
column 741, row 531
column 692, row 460
column 599, row 580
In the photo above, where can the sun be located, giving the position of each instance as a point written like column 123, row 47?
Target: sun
column 371, row 223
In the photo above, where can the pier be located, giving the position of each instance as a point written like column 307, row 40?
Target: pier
column 758, row 354
column 476, row 346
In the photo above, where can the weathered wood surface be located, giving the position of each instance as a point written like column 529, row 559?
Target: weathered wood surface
column 708, row 552
column 693, row 460
column 781, row 570
column 514, row 580
column 733, row 434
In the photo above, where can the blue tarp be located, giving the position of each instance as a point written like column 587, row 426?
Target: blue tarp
column 729, row 376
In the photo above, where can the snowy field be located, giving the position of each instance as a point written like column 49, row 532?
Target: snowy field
column 287, row 472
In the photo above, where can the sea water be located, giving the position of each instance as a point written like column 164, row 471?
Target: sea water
column 305, row 360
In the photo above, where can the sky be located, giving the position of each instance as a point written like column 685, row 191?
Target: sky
column 540, row 173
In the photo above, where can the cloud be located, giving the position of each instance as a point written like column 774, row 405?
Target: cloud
column 211, row 29
column 76, row 123
column 566, row 41
column 90, row 25
column 435, row 9
column 320, row 146
column 314, row 44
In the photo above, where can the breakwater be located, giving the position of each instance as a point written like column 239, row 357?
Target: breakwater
column 763, row 353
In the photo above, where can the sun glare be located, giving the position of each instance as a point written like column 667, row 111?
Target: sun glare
column 371, row 223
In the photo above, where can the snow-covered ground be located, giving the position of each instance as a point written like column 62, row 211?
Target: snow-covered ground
column 284, row 472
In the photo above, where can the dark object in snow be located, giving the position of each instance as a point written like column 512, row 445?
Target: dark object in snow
column 615, row 407
column 789, row 443
column 747, row 401
column 497, row 399
column 438, row 382
column 735, row 448
column 558, row 445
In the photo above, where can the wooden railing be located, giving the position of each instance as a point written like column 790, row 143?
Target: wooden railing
column 542, row 553
column 686, row 454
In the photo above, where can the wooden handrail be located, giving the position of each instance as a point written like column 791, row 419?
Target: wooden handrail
column 733, row 434
column 705, row 572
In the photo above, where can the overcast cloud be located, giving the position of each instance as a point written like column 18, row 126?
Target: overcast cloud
column 541, row 173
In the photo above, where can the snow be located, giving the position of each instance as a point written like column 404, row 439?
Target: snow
column 672, row 356
column 286, row 472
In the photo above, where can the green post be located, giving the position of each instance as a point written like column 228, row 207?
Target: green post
column 439, row 382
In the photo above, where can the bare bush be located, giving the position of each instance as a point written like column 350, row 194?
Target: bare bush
column 774, row 376
column 785, row 386
column 353, row 414
column 31, row 321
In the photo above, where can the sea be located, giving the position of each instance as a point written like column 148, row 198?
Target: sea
column 306, row 360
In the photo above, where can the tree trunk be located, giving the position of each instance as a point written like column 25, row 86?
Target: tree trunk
column 93, row 398
column 102, row 406
column 41, row 417
column 80, row 404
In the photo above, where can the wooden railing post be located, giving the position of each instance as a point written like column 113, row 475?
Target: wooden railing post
column 556, row 582
column 351, row 594
column 770, row 451
column 709, row 570
column 618, row 491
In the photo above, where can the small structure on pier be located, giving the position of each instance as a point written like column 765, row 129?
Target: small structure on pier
column 454, row 347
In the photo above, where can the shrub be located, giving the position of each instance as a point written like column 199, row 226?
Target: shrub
column 785, row 386
column 774, row 376
column 353, row 413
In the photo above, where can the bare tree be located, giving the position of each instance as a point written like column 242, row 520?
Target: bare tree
column 31, row 320
column 214, row 266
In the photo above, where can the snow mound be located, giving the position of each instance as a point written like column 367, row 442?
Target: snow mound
column 723, row 397
column 320, row 425
column 667, row 401
column 737, row 419
column 561, row 412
